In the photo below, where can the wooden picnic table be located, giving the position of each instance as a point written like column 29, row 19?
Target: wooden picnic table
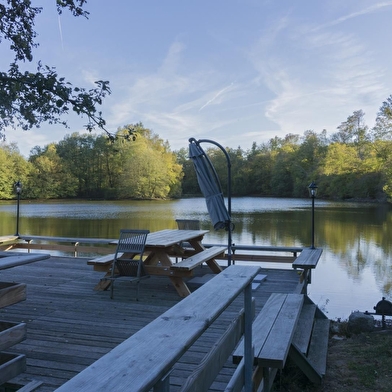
column 164, row 246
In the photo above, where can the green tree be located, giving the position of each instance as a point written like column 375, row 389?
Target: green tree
column 189, row 185
column 307, row 161
column 49, row 178
column 33, row 95
column 260, row 161
column 149, row 168
column 13, row 168
column 354, row 131
column 282, row 172
column 383, row 127
column 346, row 175
column 76, row 153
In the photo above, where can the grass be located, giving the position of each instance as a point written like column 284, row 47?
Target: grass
column 355, row 363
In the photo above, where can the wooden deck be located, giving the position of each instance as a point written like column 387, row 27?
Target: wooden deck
column 69, row 325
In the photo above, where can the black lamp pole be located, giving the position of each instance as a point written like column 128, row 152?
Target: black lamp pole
column 312, row 193
column 18, row 189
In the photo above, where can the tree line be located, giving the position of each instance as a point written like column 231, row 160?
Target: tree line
column 94, row 166
column 355, row 162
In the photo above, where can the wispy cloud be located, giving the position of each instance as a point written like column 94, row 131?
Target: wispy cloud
column 339, row 76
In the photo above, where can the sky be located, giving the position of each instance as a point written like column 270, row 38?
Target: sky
column 233, row 71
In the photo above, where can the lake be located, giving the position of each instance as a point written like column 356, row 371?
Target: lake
column 354, row 272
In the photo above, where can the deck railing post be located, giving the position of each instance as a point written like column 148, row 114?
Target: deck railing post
column 18, row 189
column 76, row 249
column 312, row 193
column 248, row 349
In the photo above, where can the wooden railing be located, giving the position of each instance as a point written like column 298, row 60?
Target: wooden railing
column 73, row 245
column 101, row 246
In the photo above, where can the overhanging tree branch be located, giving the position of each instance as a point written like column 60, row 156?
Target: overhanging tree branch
column 27, row 99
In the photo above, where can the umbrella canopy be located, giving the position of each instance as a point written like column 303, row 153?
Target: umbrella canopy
column 210, row 186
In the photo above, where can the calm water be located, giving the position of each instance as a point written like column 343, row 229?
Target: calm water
column 355, row 270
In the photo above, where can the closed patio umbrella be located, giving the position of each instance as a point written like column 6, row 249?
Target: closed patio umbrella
column 210, row 187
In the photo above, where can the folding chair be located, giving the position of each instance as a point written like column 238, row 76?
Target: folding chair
column 128, row 259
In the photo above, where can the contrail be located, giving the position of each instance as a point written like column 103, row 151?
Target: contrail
column 215, row 97
column 368, row 10
column 61, row 32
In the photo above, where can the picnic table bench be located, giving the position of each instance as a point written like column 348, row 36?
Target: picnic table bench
column 103, row 263
column 145, row 359
column 199, row 258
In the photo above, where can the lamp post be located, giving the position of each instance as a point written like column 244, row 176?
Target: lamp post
column 312, row 193
column 18, row 190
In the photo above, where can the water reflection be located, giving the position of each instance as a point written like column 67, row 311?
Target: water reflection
column 354, row 271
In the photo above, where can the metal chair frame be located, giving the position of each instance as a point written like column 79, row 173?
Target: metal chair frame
column 128, row 259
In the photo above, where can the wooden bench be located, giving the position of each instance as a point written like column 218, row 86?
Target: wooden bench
column 308, row 258
column 199, row 258
column 307, row 261
column 102, row 263
column 14, row 259
column 145, row 360
column 8, row 241
column 272, row 334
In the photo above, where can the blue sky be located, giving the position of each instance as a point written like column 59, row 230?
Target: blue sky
column 233, row 71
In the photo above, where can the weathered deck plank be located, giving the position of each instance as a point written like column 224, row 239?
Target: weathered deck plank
column 69, row 325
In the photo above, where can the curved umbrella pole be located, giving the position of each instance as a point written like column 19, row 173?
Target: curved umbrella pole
column 204, row 170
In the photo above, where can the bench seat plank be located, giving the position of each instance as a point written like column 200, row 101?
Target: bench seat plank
column 199, row 258
column 5, row 239
column 103, row 260
column 308, row 258
column 273, row 330
column 142, row 360
column 276, row 348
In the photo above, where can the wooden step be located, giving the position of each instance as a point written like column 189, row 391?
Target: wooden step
column 304, row 328
column 310, row 343
column 318, row 348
